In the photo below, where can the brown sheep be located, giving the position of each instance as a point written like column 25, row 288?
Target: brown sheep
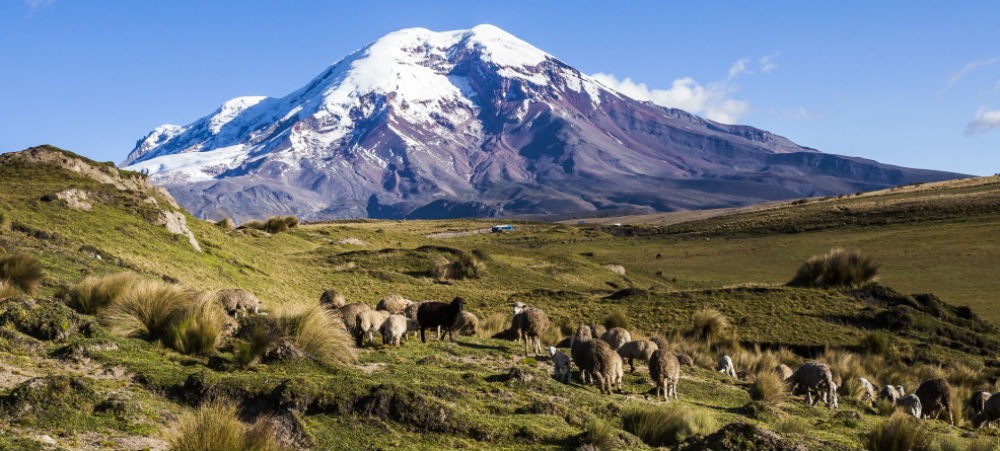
column 349, row 313
column 616, row 337
column 598, row 330
column 467, row 324
column 577, row 348
column 661, row 343
column 604, row 364
column 783, row 371
column 935, row 396
column 332, row 299
column 394, row 304
column 238, row 302
column 685, row 360
column 637, row 349
column 665, row 370
column 530, row 324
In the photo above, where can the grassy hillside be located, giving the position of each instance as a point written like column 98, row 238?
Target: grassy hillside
column 482, row 393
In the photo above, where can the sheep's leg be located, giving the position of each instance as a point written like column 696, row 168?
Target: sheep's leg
column 631, row 365
column 423, row 339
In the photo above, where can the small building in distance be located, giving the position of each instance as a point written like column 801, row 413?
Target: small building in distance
column 503, row 228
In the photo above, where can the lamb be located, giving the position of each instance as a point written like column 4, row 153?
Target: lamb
column 394, row 329
column 892, row 393
column 616, row 337
column 978, row 401
column 332, row 299
column 577, row 348
column 935, row 396
column 637, row 349
column 394, row 304
column 783, row 371
column 238, row 302
column 439, row 314
column 560, row 363
column 990, row 413
column 367, row 322
column 349, row 314
column 665, row 370
column 910, row 404
column 466, row 324
column 815, row 377
column 869, row 391
column 726, row 366
column 604, row 364
column 530, row 324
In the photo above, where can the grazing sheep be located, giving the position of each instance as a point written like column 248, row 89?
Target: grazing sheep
column 661, row 343
column 814, row 377
column 616, row 337
column 598, row 330
column 935, row 396
column 869, row 391
column 530, row 324
column 577, row 348
column 910, row 404
column 892, row 393
column 349, row 314
column 637, row 349
column 394, row 329
column 990, row 413
column 560, row 364
column 439, row 314
column 466, row 324
column 665, row 370
column 394, row 304
column 725, row 366
column 685, row 360
column 783, row 371
column 367, row 322
column 332, row 299
column 238, row 302
column 978, row 401
column 604, row 364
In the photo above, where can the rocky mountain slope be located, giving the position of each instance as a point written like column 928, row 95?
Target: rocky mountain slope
column 423, row 124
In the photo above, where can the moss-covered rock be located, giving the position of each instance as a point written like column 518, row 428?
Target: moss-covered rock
column 48, row 400
column 741, row 437
column 43, row 319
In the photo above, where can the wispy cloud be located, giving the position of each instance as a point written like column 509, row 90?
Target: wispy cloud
column 36, row 4
column 983, row 121
column 955, row 77
column 739, row 67
column 767, row 64
column 799, row 114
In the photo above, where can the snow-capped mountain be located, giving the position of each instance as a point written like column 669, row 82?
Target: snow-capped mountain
column 477, row 122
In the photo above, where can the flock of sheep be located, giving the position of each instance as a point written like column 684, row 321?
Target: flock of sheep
column 600, row 353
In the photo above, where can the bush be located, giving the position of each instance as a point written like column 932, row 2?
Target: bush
column 838, row 268
column 599, row 434
column 465, row 266
column 215, row 426
column 7, row 291
column 152, row 308
column 22, row 271
column 226, row 224
column 199, row 329
column 709, row 325
column 769, row 388
column 876, row 343
column 617, row 318
column 900, row 432
column 320, row 335
column 667, row 425
column 95, row 293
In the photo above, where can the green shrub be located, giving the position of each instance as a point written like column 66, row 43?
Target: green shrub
column 599, row 434
column 215, row 426
column 769, row 388
column 838, row 268
column 790, row 424
column 708, row 325
column 22, row 271
column 900, row 432
column 199, row 329
column 876, row 343
column 667, row 425
column 95, row 293
column 617, row 318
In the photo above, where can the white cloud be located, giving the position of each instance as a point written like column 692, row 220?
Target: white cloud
column 955, row 77
column 710, row 100
column 984, row 120
column 767, row 64
column 799, row 114
column 739, row 67
column 36, row 4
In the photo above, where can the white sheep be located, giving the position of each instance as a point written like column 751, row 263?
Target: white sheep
column 560, row 363
column 726, row 366
column 368, row 322
column 910, row 404
column 394, row 329
column 869, row 395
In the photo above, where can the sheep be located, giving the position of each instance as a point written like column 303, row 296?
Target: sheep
column 577, row 348
column 394, row 329
column 238, row 302
column 869, row 391
column 978, row 401
column 598, row 330
column 332, row 298
column 466, row 324
column 394, row 304
column 814, row 377
column 637, row 349
column 439, row 314
column 367, row 322
column 616, row 337
column 661, row 343
column 783, row 371
column 725, row 366
column 604, row 364
column 910, row 404
column 892, row 393
column 349, row 314
column 560, row 364
column 990, row 413
column 665, row 370
column 530, row 324
column 935, row 395
column 685, row 360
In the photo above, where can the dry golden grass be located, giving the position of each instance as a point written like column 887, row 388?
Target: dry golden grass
column 151, row 309
column 838, row 268
column 8, row 291
column 709, row 325
column 494, row 323
column 22, row 271
column 900, row 432
column 317, row 333
column 215, row 426
column 200, row 327
column 94, row 293
column 667, row 425
column 769, row 388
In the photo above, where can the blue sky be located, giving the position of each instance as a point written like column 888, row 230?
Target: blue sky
column 908, row 83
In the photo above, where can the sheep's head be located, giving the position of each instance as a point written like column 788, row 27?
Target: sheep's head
column 552, row 351
column 519, row 307
column 458, row 302
column 899, row 388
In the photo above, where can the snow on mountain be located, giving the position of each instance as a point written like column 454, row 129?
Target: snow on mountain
column 471, row 123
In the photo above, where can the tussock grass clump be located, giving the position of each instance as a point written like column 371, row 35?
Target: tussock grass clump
column 900, row 432
column 599, row 434
column 7, row 291
column 317, row 333
column 790, row 424
column 153, row 309
column 616, row 318
column 709, row 325
column 493, row 324
column 838, row 268
column 215, row 426
column 876, row 343
column 278, row 224
column 22, row 271
column 95, row 293
column 667, row 425
column 200, row 327
column 769, row 388
column 226, row 224
column 464, row 266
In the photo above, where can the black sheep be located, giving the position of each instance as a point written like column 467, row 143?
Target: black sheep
column 439, row 314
